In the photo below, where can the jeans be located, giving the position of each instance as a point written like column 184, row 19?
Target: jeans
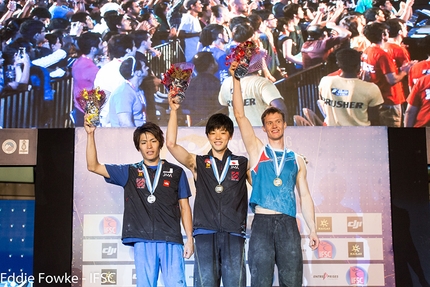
column 275, row 239
column 219, row 255
column 149, row 257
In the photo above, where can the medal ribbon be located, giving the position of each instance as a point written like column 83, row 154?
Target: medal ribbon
column 151, row 187
column 224, row 171
column 278, row 167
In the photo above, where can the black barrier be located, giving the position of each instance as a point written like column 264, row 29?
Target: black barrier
column 301, row 91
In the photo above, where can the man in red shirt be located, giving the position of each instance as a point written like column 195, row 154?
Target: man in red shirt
column 421, row 68
column 379, row 68
column 418, row 111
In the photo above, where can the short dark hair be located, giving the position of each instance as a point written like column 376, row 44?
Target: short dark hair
column 52, row 39
column 40, row 12
column 238, row 20
column 256, row 21
column 79, row 17
column 118, row 45
column 210, row 33
column 30, row 28
column 394, row 26
column 219, row 121
column 202, row 61
column 242, row 33
column 128, row 67
column 151, row 128
column 348, row 60
column 88, row 40
column 271, row 110
column 139, row 36
column 373, row 31
column 371, row 13
column 127, row 4
column 291, row 9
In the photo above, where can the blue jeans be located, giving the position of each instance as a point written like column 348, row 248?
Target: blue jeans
column 275, row 239
column 149, row 257
column 219, row 255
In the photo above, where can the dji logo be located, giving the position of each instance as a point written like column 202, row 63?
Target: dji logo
column 109, row 250
column 355, row 224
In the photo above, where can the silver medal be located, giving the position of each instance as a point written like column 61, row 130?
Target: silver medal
column 151, row 198
column 219, row 188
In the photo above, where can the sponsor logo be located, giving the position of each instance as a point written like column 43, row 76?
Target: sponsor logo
column 207, row 163
column 109, row 225
column 326, row 276
column 324, row 224
column 133, row 277
column 339, row 93
column 166, row 183
column 9, row 146
column 355, row 249
column 23, row 146
column 354, row 224
column 356, row 276
column 168, row 173
column 325, row 250
column 109, row 250
column 108, row 277
column 234, row 164
column 235, row 176
column 140, row 183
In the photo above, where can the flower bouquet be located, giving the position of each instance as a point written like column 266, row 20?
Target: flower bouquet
column 248, row 56
column 91, row 102
column 176, row 80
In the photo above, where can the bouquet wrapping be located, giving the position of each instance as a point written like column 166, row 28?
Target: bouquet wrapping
column 248, row 56
column 91, row 101
column 177, row 79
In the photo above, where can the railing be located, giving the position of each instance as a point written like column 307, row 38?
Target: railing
column 28, row 109
column 301, row 91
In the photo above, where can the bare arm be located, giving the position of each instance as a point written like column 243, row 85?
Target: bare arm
column 250, row 140
column 178, row 152
column 187, row 222
column 410, row 115
column 287, row 47
column 307, row 203
column 93, row 164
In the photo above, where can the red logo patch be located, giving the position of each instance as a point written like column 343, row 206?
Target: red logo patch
column 166, row 183
column 235, row 176
column 140, row 182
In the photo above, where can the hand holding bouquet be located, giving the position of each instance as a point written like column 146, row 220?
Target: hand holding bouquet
column 248, row 57
column 91, row 102
column 176, row 80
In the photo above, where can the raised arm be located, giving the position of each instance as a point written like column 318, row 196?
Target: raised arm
column 178, row 152
column 250, row 140
column 187, row 222
column 307, row 203
column 93, row 164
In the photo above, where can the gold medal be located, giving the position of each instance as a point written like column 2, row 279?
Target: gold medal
column 277, row 182
column 219, row 188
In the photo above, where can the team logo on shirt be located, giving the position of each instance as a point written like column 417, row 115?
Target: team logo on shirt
column 166, row 183
column 140, row 182
column 207, row 163
column 139, row 173
column 235, row 176
column 234, row 164
column 168, row 173
column 340, row 93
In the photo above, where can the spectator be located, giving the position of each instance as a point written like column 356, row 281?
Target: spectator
column 379, row 68
column 349, row 101
column 84, row 70
column 374, row 15
column 108, row 78
column 318, row 45
column 355, row 25
column 418, row 110
column 56, row 62
column 220, row 15
column 189, row 29
column 83, row 21
column 238, row 8
column 423, row 67
column 295, row 11
column 258, row 93
column 41, row 14
column 127, row 102
column 202, row 93
column 206, row 14
column 21, row 69
column 278, row 8
column 164, row 32
column 289, row 54
column 132, row 10
column 61, row 9
column 214, row 37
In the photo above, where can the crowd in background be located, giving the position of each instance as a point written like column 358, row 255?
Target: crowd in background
column 105, row 44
